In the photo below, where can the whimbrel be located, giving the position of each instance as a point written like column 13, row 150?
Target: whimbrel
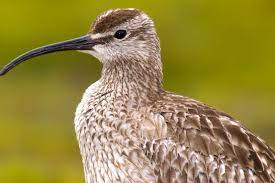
column 130, row 129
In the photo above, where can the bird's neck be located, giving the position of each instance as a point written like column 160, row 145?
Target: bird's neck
column 132, row 78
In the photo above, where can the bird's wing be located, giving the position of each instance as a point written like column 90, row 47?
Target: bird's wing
column 201, row 144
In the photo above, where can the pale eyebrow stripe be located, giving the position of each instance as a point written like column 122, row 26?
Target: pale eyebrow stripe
column 101, row 35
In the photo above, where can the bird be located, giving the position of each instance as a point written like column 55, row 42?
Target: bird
column 130, row 129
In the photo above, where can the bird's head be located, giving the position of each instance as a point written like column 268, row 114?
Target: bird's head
column 124, row 34
column 121, row 34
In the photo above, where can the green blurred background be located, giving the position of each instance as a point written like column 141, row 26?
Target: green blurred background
column 219, row 52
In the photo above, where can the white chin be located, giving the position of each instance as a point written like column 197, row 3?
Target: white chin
column 94, row 54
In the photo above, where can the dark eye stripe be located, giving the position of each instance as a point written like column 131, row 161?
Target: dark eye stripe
column 105, row 39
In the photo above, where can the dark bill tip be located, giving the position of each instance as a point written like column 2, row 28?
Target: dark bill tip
column 2, row 72
column 81, row 43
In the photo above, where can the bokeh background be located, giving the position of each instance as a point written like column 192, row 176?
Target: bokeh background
column 218, row 52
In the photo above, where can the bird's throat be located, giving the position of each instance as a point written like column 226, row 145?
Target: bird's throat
column 133, row 78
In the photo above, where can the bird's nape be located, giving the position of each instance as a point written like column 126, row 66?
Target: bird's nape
column 81, row 43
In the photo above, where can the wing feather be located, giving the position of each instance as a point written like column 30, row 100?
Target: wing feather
column 206, row 145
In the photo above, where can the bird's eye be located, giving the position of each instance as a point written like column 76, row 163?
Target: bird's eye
column 120, row 34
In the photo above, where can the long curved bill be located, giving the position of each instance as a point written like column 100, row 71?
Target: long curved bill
column 81, row 43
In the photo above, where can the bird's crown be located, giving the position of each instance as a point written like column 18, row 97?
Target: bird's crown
column 113, row 18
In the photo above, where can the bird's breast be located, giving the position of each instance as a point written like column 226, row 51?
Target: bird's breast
column 111, row 129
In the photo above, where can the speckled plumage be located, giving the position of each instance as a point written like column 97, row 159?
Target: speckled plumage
column 130, row 130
